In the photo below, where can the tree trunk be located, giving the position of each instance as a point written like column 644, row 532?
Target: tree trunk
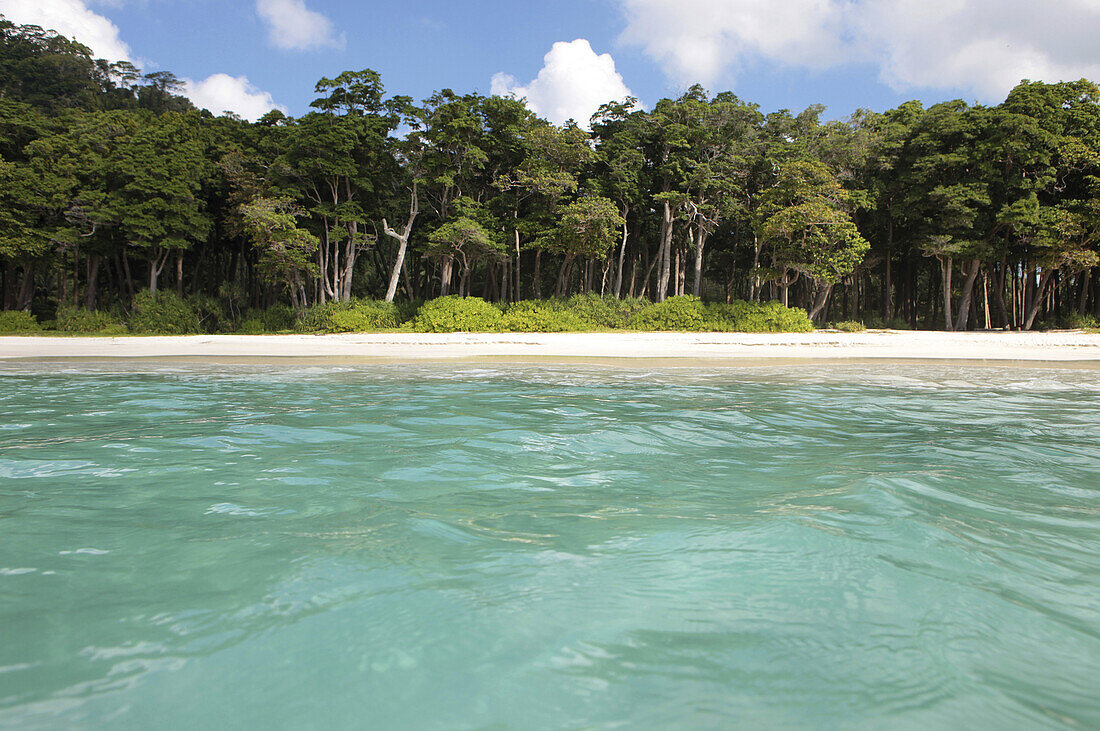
column 559, row 285
column 402, row 243
column 1083, row 295
column 622, row 257
column 93, row 280
column 1096, row 297
column 445, row 277
column 888, row 284
column 1028, row 293
column 410, row 285
column 700, row 242
column 664, row 254
column 676, row 272
column 754, row 287
column 26, row 289
column 822, row 298
column 985, row 294
column 179, row 275
column 946, row 267
column 129, row 276
column 1037, row 298
column 999, row 295
column 517, row 293
column 972, row 271
column 648, row 274
column 464, row 281
column 537, row 281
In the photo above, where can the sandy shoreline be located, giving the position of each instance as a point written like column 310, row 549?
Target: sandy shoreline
column 1066, row 346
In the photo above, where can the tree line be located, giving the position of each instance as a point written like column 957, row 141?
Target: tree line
column 951, row 216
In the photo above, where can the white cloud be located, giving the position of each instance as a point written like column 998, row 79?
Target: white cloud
column 572, row 83
column 985, row 46
column 224, row 93
column 71, row 18
column 293, row 26
column 700, row 40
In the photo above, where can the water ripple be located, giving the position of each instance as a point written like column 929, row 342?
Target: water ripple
column 554, row 546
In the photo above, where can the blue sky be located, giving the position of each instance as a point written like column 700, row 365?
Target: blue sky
column 251, row 55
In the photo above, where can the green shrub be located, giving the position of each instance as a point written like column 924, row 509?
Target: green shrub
column 251, row 326
column 406, row 311
column 534, row 316
column 163, row 312
column 899, row 323
column 756, row 317
column 599, row 312
column 277, row 318
column 212, row 313
column 350, row 316
column 72, row 319
column 17, row 321
column 1075, row 321
column 850, row 326
column 675, row 313
column 458, row 314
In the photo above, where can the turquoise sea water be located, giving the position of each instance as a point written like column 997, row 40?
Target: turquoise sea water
column 518, row 546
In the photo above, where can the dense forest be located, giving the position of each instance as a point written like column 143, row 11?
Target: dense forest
column 953, row 216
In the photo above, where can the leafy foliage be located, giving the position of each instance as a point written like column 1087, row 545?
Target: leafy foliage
column 286, row 251
column 17, row 321
column 675, row 313
column 458, row 314
column 164, row 313
column 579, row 313
column 351, row 316
column 542, row 316
column 79, row 320
column 111, row 183
column 756, row 317
column 275, row 319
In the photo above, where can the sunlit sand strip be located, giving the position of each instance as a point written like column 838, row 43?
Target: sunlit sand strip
column 1066, row 346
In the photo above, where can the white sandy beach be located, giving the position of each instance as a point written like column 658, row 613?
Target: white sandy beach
column 1066, row 346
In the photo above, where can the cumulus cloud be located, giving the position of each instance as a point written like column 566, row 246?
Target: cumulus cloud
column 985, row 46
column 572, row 84
column 700, row 40
column 71, row 18
column 224, row 93
column 293, row 26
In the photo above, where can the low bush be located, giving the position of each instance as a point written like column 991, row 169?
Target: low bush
column 534, row 316
column 163, row 312
column 72, row 319
column 757, row 317
column 899, row 323
column 350, row 316
column 278, row 318
column 406, row 312
column 212, row 313
column 876, row 322
column 675, row 313
column 17, row 321
column 850, row 326
column 1075, row 321
column 458, row 314
column 598, row 312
